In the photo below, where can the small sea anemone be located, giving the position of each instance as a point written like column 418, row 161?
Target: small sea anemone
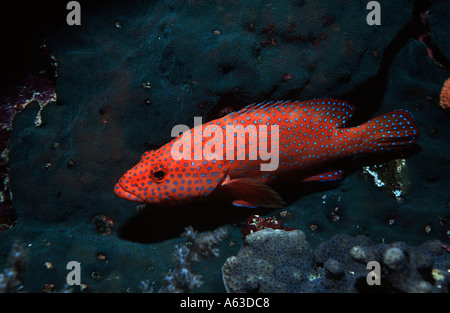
column 445, row 96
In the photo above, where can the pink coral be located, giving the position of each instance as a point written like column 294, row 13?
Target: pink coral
column 444, row 102
column 255, row 223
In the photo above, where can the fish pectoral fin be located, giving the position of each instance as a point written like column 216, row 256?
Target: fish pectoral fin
column 324, row 177
column 251, row 193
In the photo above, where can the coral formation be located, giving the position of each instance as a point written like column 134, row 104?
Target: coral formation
column 255, row 223
column 281, row 261
column 38, row 86
column 11, row 278
column 198, row 246
column 271, row 260
column 390, row 176
column 103, row 224
column 444, row 98
column 408, row 269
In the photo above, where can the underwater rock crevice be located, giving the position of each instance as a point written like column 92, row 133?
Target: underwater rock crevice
column 370, row 93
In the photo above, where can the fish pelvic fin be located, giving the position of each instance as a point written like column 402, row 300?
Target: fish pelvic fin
column 252, row 193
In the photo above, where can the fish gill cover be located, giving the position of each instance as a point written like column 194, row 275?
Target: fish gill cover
column 133, row 70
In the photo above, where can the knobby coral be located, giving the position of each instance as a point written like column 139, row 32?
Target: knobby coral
column 281, row 261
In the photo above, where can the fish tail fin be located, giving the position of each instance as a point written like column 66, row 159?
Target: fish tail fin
column 394, row 130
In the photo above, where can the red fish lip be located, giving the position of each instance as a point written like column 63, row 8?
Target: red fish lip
column 122, row 193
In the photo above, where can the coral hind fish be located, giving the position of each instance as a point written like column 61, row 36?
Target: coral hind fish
column 303, row 137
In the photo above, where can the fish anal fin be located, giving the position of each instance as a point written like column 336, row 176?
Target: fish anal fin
column 243, row 204
column 250, row 192
column 325, row 177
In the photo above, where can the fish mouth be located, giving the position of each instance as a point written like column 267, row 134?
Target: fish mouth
column 122, row 193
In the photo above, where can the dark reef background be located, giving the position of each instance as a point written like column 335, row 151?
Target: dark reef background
column 134, row 69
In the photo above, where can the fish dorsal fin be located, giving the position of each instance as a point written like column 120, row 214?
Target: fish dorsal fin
column 334, row 111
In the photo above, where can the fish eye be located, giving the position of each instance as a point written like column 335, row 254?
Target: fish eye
column 159, row 175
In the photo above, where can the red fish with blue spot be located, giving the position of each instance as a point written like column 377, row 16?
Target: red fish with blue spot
column 220, row 158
